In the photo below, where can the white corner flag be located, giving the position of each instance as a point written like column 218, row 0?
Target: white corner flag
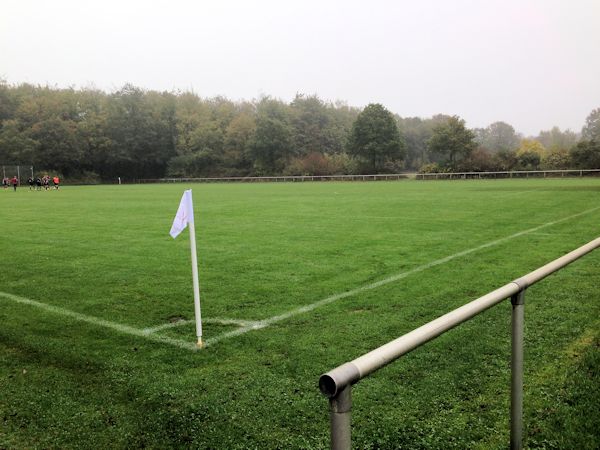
column 185, row 214
column 183, row 218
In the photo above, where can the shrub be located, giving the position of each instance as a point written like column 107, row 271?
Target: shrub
column 430, row 168
column 318, row 164
column 558, row 159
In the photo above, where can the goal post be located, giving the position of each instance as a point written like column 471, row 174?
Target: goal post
column 21, row 171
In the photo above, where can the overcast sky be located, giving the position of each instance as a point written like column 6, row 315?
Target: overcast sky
column 533, row 64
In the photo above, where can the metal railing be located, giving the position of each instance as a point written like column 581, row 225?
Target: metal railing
column 285, row 178
column 508, row 174
column 383, row 176
column 337, row 383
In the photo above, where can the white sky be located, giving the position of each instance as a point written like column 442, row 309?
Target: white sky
column 533, row 64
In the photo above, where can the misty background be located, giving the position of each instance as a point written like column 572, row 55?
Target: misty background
column 95, row 90
column 529, row 63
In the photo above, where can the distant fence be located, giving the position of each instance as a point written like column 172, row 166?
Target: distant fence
column 384, row 177
column 291, row 178
column 508, row 174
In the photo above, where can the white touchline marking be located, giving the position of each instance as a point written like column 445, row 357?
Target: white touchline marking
column 164, row 326
column 238, row 322
column 246, row 326
column 304, row 309
column 100, row 322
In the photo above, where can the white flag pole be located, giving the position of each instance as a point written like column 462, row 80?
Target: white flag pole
column 195, row 278
column 185, row 218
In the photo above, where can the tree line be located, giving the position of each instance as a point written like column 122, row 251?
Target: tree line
column 90, row 135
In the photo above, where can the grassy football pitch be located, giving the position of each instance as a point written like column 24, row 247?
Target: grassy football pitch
column 96, row 312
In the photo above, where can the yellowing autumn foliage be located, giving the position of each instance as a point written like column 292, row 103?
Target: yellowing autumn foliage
column 531, row 146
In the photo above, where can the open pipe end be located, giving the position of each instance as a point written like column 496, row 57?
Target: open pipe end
column 327, row 385
column 332, row 382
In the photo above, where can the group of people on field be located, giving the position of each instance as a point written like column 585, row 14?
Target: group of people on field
column 6, row 182
column 34, row 183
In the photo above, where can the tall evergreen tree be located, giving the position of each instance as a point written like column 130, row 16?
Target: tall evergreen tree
column 375, row 139
column 452, row 140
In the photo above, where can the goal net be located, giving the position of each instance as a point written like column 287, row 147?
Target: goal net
column 21, row 171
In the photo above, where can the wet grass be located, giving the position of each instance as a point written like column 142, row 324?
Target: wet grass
column 266, row 249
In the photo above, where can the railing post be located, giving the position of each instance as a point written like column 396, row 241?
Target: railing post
column 516, row 388
column 339, row 416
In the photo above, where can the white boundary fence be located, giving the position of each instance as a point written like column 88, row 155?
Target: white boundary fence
column 337, row 383
column 384, row 177
column 509, row 174
column 290, row 178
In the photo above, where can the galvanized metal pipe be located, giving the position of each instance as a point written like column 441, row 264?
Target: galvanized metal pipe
column 516, row 371
column 336, row 382
column 340, row 408
column 349, row 373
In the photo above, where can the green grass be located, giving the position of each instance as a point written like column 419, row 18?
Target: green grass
column 264, row 250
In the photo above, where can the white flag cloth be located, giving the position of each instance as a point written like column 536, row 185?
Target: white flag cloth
column 185, row 214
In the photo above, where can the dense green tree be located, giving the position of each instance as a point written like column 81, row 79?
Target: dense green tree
column 528, row 160
column 141, row 133
column 222, row 110
column 207, row 138
column 417, row 132
column 199, row 164
column 191, row 113
column 136, row 133
column 479, row 160
column 342, row 119
column 586, row 154
column 506, row 160
column 238, row 135
column 313, row 128
column 270, row 147
column 452, row 140
column 557, row 159
column 16, row 147
column 92, row 129
column 213, row 132
column 59, row 145
column 375, row 139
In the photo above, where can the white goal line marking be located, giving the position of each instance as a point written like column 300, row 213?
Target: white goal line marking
column 165, row 326
column 304, row 309
column 100, row 322
column 245, row 325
